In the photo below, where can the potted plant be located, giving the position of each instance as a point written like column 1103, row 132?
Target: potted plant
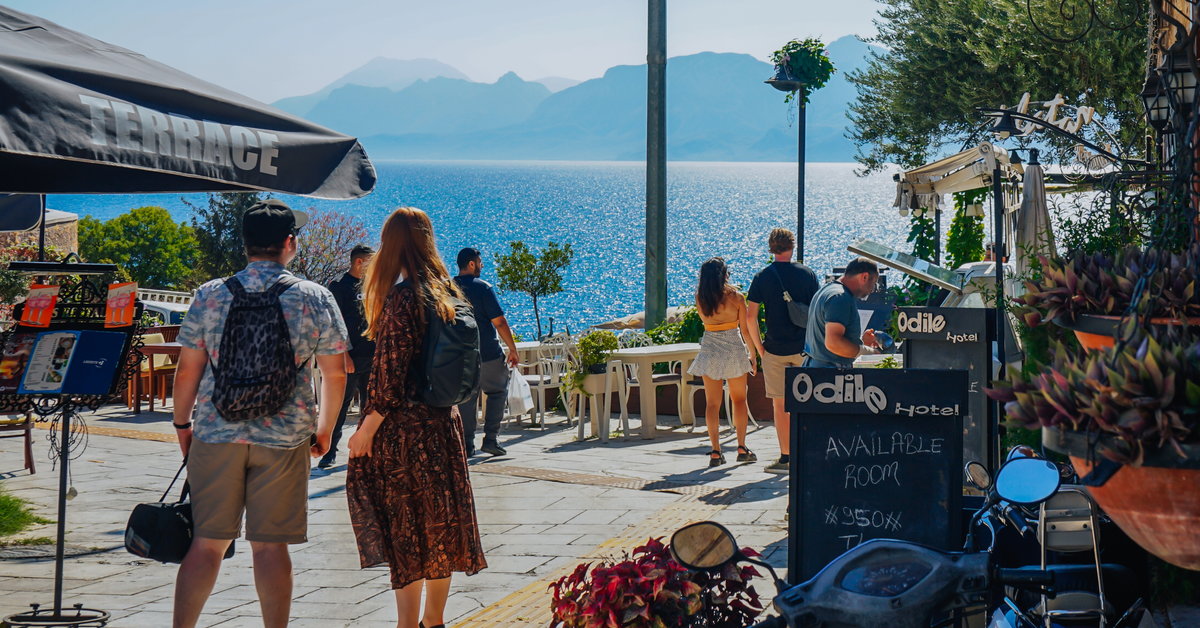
column 1135, row 409
column 801, row 66
column 650, row 590
column 1090, row 294
column 586, row 372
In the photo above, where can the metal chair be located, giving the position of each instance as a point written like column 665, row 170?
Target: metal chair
column 1068, row 523
column 547, row 373
column 695, row 383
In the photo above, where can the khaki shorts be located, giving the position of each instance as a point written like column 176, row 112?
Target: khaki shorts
column 270, row 485
column 774, row 371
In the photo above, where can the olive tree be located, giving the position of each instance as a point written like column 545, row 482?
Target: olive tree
column 537, row 274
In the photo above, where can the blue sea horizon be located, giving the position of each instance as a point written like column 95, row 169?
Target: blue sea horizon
column 713, row 208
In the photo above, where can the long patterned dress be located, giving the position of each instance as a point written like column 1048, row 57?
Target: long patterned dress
column 410, row 500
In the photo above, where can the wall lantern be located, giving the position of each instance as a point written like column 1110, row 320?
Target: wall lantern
column 1156, row 102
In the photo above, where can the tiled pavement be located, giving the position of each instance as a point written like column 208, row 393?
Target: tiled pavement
column 542, row 508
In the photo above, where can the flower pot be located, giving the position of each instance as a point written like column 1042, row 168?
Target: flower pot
column 1096, row 331
column 1157, row 504
column 593, row 383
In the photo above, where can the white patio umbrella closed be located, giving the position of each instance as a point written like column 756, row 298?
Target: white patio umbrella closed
column 1034, row 234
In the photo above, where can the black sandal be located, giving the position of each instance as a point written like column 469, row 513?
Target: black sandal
column 745, row 455
column 715, row 458
column 421, row 624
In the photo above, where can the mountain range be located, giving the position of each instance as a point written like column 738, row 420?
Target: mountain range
column 718, row 109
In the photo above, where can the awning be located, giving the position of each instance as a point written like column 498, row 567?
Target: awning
column 79, row 116
column 921, row 189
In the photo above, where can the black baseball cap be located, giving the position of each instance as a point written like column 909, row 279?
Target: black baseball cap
column 268, row 223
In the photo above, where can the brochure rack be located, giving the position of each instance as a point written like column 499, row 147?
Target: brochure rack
column 81, row 309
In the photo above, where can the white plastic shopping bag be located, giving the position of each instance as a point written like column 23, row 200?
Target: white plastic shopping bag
column 520, row 399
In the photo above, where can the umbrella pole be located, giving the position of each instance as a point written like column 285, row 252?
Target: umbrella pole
column 998, row 260
column 42, row 231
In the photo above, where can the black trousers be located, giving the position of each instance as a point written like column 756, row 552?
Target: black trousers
column 493, row 384
column 356, row 381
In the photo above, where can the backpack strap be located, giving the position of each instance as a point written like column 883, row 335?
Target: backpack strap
column 786, row 297
column 235, row 286
column 277, row 289
column 281, row 285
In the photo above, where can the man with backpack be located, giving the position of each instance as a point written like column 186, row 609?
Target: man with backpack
column 786, row 288
column 244, row 381
column 494, row 367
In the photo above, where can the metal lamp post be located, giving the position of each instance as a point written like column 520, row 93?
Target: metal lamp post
column 784, row 82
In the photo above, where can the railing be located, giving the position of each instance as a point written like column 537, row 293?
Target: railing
column 165, row 296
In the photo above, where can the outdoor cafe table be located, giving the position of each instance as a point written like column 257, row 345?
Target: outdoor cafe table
column 527, row 347
column 645, row 358
column 152, row 349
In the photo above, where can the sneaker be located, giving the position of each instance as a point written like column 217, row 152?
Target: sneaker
column 494, row 449
column 325, row 463
column 779, row 466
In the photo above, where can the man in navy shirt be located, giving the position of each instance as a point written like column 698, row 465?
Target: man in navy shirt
column 347, row 291
column 783, row 345
column 493, row 376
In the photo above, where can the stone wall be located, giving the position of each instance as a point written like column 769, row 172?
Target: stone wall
column 62, row 236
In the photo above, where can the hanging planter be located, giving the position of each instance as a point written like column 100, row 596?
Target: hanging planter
column 1137, row 411
column 1156, row 503
column 1096, row 331
column 1089, row 294
column 801, row 67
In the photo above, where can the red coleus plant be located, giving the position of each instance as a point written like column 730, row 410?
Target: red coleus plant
column 650, row 590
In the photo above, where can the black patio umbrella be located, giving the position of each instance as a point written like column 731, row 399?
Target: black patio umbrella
column 80, row 116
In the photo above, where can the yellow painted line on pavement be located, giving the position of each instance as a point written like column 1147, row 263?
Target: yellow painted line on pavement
column 99, row 430
column 530, row 605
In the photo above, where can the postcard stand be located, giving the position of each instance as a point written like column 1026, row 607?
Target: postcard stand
column 81, row 307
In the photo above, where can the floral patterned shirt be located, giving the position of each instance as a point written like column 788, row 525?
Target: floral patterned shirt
column 316, row 328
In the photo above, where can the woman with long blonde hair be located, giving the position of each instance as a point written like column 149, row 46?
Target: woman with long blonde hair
column 407, row 485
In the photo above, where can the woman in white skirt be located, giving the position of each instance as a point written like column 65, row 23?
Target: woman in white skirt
column 724, row 356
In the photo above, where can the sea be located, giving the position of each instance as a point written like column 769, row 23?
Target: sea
column 713, row 209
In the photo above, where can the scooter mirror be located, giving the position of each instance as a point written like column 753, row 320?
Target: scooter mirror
column 1027, row 481
column 703, row 546
column 978, row 475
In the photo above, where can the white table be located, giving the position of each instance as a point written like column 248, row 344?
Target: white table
column 645, row 358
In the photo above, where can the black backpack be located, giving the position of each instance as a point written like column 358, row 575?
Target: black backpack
column 450, row 362
column 255, row 374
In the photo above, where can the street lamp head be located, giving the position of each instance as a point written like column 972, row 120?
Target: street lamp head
column 784, row 81
column 1005, row 127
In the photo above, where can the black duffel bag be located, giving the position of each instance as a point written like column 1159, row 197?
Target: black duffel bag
column 162, row 530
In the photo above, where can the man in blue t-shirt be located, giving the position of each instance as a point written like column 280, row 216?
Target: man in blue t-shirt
column 493, row 376
column 834, row 337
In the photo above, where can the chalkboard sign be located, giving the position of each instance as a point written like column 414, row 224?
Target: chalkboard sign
column 876, row 453
column 957, row 338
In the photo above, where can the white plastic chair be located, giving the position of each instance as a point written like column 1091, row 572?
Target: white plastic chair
column 547, row 373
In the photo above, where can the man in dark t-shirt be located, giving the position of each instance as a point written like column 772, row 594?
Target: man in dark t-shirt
column 783, row 345
column 493, row 375
column 347, row 291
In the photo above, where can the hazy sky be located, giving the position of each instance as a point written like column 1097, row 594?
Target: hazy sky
column 269, row 49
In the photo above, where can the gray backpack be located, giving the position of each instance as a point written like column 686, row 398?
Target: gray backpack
column 255, row 373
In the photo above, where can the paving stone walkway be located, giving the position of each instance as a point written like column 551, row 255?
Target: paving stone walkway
column 544, row 507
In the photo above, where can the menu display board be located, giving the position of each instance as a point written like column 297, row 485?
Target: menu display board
column 876, row 453
column 957, row 338
column 61, row 362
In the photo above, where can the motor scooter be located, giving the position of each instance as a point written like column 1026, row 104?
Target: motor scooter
column 907, row 585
